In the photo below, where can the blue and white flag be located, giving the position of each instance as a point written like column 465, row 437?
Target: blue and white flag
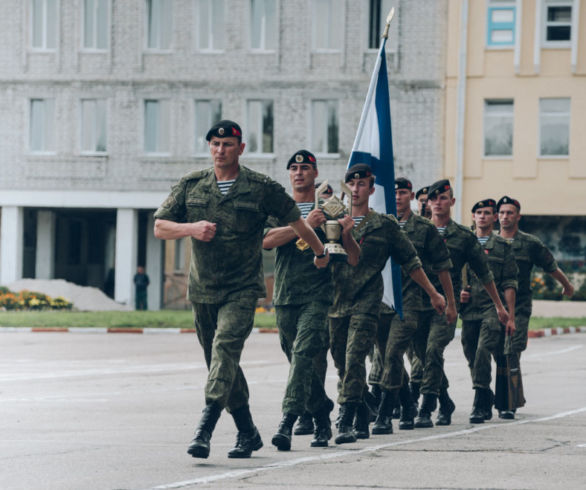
column 374, row 145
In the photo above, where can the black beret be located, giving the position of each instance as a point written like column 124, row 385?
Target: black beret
column 486, row 203
column 508, row 200
column 358, row 171
column 329, row 188
column 225, row 129
column 423, row 190
column 403, row 183
column 302, row 156
column 438, row 187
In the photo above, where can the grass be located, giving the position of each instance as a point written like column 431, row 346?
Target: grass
column 174, row 319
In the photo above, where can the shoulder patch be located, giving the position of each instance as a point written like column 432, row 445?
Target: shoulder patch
column 197, row 174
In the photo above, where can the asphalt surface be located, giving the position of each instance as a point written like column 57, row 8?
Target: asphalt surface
column 100, row 411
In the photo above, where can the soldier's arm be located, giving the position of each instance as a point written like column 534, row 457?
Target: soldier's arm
column 510, row 298
column 350, row 245
column 560, row 277
column 494, row 295
column 437, row 300
column 170, row 230
column 276, row 237
column 306, row 232
column 446, row 282
column 544, row 259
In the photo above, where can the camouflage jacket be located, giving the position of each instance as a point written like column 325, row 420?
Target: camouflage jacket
column 504, row 269
column 359, row 289
column 231, row 263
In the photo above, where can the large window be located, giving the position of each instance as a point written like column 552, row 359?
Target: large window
column 498, row 128
column 500, row 29
column 93, row 126
column 179, row 264
column 263, row 24
column 42, row 125
column 44, row 20
column 378, row 11
column 95, row 24
column 324, row 126
column 159, row 24
column 260, row 126
column 156, row 126
column 327, row 25
column 554, row 127
column 209, row 21
column 207, row 113
column 558, row 22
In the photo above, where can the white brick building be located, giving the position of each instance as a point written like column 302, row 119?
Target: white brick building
column 104, row 104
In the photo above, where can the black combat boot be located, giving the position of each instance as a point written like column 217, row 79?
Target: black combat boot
column 372, row 400
column 361, row 421
column 248, row 439
column 489, row 404
column 323, row 426
column 506, row 414
column 304, row 425
column 428, row 405
column 345, row 432
column 477, row 416
column 414, row 388
column 408, row 410
column 446, row 408
column 200, row 446
column 282, row 439
column 383, row 423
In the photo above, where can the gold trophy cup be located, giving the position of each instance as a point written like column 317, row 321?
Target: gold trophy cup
column 333, row 209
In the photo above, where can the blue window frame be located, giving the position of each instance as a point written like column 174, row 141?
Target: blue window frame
column 500, row 29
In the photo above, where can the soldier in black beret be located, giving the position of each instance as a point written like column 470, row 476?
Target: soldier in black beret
column 508, row 200
column 225, row 129
column 421, row 196
column 302, row 156
column 486, row 203
column 359, row 171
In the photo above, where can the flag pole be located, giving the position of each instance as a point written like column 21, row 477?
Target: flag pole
column 388, row 23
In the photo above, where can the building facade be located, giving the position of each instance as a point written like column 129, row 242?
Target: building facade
column 515, row 113
column 106, row 103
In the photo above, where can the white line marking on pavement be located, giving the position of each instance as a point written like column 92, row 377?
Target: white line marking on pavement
column 553, row 353
column 342, row 454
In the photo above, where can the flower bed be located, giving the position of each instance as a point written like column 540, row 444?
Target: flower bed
column 30, row 300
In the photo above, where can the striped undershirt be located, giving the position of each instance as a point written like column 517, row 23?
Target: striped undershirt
column 357, row 220
column 224, row 185
column 441, row 230
column 305, row 208
column 483, row 239
column 402, row 224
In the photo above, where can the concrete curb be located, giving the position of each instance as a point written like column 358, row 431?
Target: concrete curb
column 533, row 334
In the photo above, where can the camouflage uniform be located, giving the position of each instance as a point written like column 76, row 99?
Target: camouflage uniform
column 358, row 294
column 528, row 251
column 434, row 333
column 395, row 334
column 225, row 277
column 481, row 328
column 302, row 296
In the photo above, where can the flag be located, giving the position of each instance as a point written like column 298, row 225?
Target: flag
column 374, row 145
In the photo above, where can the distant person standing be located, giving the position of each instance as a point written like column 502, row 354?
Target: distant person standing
column 141, row 282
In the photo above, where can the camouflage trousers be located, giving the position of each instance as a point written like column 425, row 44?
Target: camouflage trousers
column 392, row 341
column 521, row 335
column 433, row 335
column 221, row 330
column 480, row 339
column 416, row 366
column 303, row 332
column 351, row 339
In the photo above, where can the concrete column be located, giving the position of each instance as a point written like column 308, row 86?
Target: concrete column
column 11, row 244
column 45, row 255
column 154, row 266
column 126, row 254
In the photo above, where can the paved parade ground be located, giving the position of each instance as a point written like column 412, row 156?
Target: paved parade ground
column 93, row 411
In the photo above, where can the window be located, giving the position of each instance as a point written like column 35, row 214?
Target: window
column 93, row 126
column 44, row 24
column 558, row 22
column 209, row 25
column 498, row 128
column 156, row 126
column 179, row 255
column 500, row 29
column 42, row 125
column 260, row 126
column 207, row 113
column 379, row 9
column 554, row 127
column 95, row 24
column 327, row 25
column 263, row 24
column 159, row 24
column 324, row 126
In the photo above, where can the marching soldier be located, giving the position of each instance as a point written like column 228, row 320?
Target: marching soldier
column 481, row 329
column 223, row 210
column 357, row 297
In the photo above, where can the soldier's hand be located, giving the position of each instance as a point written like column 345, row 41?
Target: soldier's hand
column 451, row 313
column 347, row 224
column 203, row 231
column 510, row 326
column 323, row 262
column 568, row 291
column 438, row 302
column 316, row 218
column 503, row 315
column 464, row 296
